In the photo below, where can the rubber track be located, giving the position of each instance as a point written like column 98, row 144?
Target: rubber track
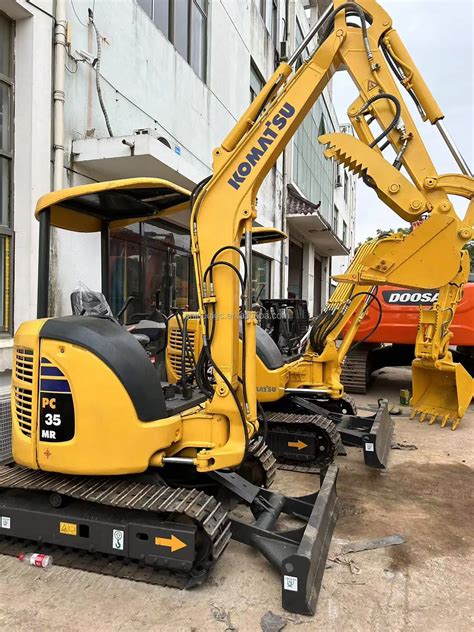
column 259, row 450
column 305, row 425
column 205, row 511
column 354, row 371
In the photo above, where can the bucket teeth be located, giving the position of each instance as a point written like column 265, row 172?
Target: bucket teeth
column 433, row 416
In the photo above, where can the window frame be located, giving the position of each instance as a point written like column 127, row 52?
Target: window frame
column 202, row 6
column 7, row 231
column 144, row 242
column 268, row 260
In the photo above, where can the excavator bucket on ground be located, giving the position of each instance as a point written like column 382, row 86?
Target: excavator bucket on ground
column 440, row 390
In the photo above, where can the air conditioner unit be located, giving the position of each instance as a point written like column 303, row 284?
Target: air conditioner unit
column 5, row 426
column 338, row 182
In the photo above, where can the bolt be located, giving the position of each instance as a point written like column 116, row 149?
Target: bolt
column 394, row 188
column 444, row 207
column 416, row 205
column 339, row 32
column 465, row 233
column 429, row 183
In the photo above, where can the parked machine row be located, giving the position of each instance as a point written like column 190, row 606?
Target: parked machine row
column 110, row 460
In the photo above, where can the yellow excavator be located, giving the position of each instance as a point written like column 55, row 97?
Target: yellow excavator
column 104, row 464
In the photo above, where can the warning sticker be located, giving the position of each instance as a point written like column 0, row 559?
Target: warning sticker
column 369, row 447
column 118, row 539
column 371, row 85
column 290, row 583
column 6, row 522
column 68, row 528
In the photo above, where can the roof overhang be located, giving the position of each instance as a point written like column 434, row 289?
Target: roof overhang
column 307, row 224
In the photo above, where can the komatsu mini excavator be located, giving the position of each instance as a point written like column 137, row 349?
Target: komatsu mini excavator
column 104, row 464
column 291, row 391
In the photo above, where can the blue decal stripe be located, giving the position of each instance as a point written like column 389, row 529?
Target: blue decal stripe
column 58, row 386
column 45, row 361
column 51, row 371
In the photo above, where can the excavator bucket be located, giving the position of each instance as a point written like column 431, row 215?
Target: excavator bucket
column 440, row 392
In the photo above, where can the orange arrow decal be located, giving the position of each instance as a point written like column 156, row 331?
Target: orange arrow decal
column 173, row 543
column 297, row 444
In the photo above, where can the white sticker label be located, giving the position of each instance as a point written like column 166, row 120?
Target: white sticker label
column 290, row 583
column 369, row 447
column 6, row 522
column 118, row 538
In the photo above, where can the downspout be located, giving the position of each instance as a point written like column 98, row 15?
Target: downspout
column 60, row 43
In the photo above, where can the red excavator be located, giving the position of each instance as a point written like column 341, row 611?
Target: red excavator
column 386, row 336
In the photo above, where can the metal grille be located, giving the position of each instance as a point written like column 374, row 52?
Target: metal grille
column 24, row 409
column 5, row 428
column 175, row 341
column 24, row 360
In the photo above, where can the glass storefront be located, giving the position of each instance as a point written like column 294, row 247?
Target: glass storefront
column 261, row 277
column 151, row 262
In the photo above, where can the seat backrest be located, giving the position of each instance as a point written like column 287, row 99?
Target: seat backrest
column 85, row 302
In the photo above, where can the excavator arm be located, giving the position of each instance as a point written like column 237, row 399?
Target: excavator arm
column 227, row 200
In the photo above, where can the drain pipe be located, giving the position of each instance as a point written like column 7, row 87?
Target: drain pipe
column 60, row 43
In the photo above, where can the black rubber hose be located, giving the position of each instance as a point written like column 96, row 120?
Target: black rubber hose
column 244, row 260
column 360, row 12
column 264, row 421
column 396, row 118
column 376, row 326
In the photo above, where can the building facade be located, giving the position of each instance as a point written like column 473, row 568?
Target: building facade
column 149, row 88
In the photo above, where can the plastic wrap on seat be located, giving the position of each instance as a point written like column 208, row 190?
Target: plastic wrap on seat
column 86, row 302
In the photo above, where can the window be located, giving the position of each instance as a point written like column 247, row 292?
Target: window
column 346, row 187
column 344, row 233
column 256, row 81
column 152, row 262
column 184, row 23
column 6, row 171
column 261, row 277
column 274, row 33
column 335, row 220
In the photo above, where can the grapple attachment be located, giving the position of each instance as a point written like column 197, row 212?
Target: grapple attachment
column 440, row 390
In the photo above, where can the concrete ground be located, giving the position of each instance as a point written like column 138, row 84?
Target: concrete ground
column 426, row 584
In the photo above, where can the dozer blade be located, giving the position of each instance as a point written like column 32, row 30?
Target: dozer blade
column 298, row 554
column 373, row 433
column 442, row 392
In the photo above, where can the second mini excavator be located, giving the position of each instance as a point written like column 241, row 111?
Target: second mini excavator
column 291, row 393
column 104, row 463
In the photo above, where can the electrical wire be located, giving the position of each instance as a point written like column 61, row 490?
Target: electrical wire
column 96, row 67
column 77, row 16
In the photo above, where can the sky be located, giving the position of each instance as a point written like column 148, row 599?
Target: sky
column 439, row 36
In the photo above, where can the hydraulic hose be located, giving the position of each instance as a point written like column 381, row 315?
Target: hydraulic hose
column 393, row 123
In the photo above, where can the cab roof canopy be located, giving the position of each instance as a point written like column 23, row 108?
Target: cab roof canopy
column 117, row 203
